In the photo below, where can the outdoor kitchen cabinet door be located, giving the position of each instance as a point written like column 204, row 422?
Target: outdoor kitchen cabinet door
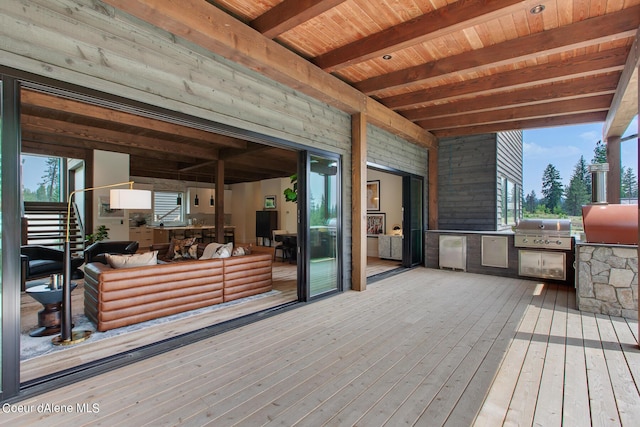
column 548, row 265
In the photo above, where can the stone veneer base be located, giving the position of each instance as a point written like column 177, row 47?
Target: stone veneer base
column 607, row 279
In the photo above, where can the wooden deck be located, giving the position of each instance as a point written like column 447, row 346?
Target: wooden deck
column 425, row 347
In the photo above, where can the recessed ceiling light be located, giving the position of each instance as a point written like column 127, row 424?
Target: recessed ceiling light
column 386, row 57
column 537, row 9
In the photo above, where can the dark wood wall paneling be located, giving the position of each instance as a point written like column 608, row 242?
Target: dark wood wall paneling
column 467, row 183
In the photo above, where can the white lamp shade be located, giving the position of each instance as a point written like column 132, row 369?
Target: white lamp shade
column 130, row 199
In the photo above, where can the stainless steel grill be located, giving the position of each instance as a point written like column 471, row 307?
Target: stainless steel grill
column 543, row 234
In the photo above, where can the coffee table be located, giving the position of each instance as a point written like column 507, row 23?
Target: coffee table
column 50, row 317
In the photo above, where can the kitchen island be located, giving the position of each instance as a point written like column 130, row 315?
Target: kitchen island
column 205, row 233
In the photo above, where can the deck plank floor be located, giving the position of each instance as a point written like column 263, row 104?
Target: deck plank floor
column 425, row 347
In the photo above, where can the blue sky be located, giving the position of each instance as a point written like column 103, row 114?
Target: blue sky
column 563, row 146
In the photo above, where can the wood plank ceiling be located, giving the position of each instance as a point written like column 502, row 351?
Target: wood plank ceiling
column 462, row 67
column 451, row 67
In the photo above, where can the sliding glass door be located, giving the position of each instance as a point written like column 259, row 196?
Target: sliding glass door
column 320, row 224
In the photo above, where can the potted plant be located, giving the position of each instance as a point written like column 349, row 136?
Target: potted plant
column 102, row 233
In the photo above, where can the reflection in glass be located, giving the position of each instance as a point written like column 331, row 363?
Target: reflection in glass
column 323, row 222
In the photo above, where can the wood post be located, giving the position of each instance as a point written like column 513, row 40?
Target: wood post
column 613, row 176
column 358, row 201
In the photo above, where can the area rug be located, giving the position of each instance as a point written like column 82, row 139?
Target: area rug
column 31, row 347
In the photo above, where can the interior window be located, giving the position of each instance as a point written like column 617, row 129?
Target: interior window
column 168, row 207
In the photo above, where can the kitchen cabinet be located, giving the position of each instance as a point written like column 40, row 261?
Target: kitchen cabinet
column 142, row 235
column 543, row 264
column 390, row 247
column 160, row 235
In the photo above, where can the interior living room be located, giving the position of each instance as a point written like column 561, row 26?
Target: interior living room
column 90, row 145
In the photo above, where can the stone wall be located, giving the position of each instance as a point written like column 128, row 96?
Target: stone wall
column 607, row 281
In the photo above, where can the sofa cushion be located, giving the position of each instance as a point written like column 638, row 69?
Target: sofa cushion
column 224, row 251
column 135, row 260
column 181, row 248
column 241, row 250
column 210, row 250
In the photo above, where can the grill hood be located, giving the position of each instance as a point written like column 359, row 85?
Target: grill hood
column 613, row 224
column 544, row 227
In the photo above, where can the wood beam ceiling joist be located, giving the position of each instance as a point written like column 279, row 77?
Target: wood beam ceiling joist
column 31, row 99
column 289, row 14
column 585, row 33
column 125, row 141
column 551, row 121
column 611, row 60
column 555, row 108
column 220, row 33
column 562, row 90
column 444, row 20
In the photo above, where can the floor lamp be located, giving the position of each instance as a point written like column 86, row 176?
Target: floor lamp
column 118, row 199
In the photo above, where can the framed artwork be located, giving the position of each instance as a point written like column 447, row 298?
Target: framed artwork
column 373, row 195
column 376, row 224
column 269, row 202
column 105, row 211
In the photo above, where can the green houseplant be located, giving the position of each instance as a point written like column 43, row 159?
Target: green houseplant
column 291, row 194
column 102, row 233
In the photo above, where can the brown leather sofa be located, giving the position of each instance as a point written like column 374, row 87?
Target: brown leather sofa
column 120, row 297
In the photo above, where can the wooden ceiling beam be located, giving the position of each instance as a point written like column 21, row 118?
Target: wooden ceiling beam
column 37, row 99
column 106, row 136
column 289, row 14
column 625, row 102
column 553, row 121
column 220, row 33
column 556, row 108
column 441, row 21
column 592, row 31
column 562, row 90
column 50, row 143
column 611, row 60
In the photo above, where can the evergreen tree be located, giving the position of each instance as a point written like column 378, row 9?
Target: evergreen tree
column 628, row 183
column 51, row 181
column 576, row 192
column 600, row 153
column 531, row 202
column 551, row 188
column 583, row 169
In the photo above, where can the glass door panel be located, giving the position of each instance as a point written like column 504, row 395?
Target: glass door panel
column 413, row 219
column 323, row 220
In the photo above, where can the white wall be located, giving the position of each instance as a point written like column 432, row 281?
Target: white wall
column 109, row 168
column 390, row 204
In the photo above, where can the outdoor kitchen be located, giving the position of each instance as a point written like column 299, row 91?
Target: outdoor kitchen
column 601, row 263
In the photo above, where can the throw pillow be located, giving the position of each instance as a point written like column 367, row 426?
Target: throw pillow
column 224, row 251
column 210, row 250
column 178, row 248
column 134, row 260
column 241, row 250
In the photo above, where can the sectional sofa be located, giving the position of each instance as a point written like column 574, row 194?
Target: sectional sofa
column 117, row 297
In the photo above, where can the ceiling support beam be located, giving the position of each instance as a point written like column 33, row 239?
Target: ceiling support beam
column 289, row 14
column 444, row 20
column 625, row 102
column 582, row 66
column 218, row 32
column 358, row 202
column 586, row 33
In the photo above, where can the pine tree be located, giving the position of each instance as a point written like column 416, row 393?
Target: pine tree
column 600, row 153
column 576, row 192
column 551, row 188
column 51, row 180
column 531, row 202
column 628, row 183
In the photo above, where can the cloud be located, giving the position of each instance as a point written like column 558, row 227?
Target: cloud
column 591, row 136
column 531, row 150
